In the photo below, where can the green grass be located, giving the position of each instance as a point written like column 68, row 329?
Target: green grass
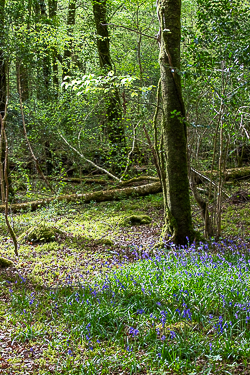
column 185, row 311
column 180, row 312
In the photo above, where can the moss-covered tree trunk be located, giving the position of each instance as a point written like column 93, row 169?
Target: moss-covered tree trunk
column 2, row 61
column 3, row 98
column 114, row 127
column 177, row 200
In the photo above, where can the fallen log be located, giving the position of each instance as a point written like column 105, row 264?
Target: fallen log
column 96, row 196
column 77, row 180
column 231, row 173
column 138, row 179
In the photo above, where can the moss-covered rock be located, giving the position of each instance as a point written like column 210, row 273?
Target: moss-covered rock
column 41, row 233
column 4, row 263
column 104, row 241
column 136, row 220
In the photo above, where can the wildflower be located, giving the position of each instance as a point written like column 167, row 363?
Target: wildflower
column 140, row 311
column 163, row 337
column 172, row 334
column 133, row 331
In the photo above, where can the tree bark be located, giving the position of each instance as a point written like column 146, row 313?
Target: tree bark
column 46, row 57
column 71, row 20
column 3, row 106
column 177, row 201
column 115, row 129
column 2, row 60
column 97, row 196
column 52, row 15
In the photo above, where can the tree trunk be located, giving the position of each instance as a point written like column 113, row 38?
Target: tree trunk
column 115, row 127
column 177, row 201
column 46, row 57
column 2, row 61
column 71, row 20
column 52, row 15
column 23, row 71
column 3, row 99
column 97, row 196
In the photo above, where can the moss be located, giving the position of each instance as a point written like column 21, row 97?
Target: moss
column 136, row 220
column 104, row 241
column 40, row 233
column 4, row 263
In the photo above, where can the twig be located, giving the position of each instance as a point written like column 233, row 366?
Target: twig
column 128, row 28
column 89, row 161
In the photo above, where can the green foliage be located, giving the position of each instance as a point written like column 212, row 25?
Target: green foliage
column 159, row 313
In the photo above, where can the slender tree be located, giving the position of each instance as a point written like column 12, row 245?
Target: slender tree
column 4, row 172
column 2, row 60
column 71, row 20
column 177, row 202
column 52, row 15
column 115, row 127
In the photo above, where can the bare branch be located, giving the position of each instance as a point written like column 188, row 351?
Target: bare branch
column 89, row 161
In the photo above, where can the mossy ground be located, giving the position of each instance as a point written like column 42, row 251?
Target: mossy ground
column 93, row 235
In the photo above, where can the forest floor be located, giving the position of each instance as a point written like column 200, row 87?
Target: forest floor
column 96, row 299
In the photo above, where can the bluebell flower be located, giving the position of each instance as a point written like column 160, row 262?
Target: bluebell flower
column 172, row 334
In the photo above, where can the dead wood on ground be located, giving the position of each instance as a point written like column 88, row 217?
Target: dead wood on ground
column 97, row 196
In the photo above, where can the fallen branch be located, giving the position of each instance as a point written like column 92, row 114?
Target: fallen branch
column 97, row 196
column 79, row 180
column 139, row 179
column 89, row 161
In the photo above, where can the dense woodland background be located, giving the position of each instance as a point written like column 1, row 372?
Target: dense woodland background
column 53, row 47
column 92, row 279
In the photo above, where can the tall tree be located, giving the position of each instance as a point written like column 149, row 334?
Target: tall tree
column 4, row 170
column 52, row 15
column 177, row 202
column 2, row 60
column 115, row 127
column 71, row 20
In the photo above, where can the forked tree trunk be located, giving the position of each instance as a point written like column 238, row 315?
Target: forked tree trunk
column 177, row 201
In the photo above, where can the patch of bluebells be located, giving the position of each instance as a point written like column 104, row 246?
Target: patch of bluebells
column 133, row 331
column 151, row 280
